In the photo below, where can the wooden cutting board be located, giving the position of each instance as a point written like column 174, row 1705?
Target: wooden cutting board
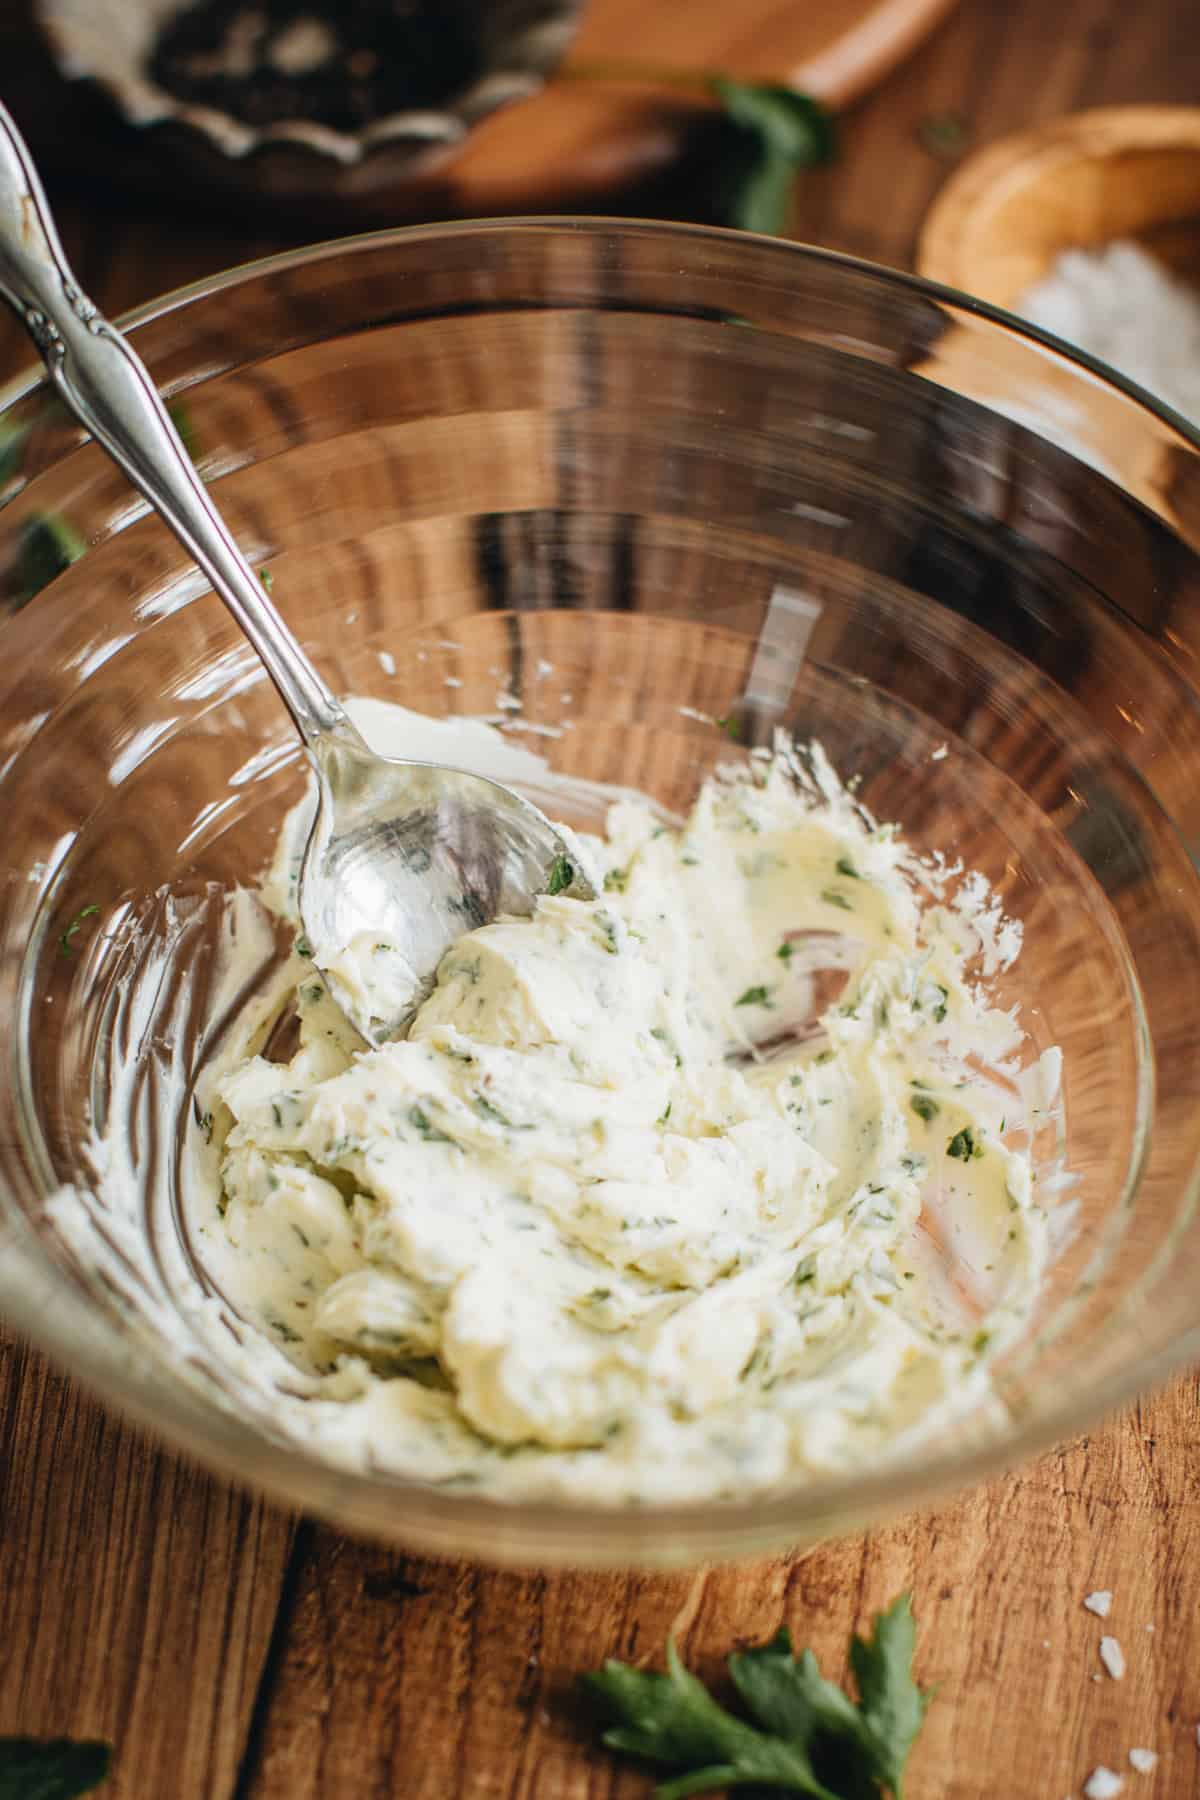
column 579, row 139
column 580, row 143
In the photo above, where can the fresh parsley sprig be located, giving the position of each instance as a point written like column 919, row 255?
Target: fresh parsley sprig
column 808, row 1736
column 56, row 1769
column 779, row 132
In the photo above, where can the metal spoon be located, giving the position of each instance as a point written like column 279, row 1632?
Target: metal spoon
column 403, row 857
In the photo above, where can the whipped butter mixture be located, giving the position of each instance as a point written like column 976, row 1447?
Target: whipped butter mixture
column 711, row 1184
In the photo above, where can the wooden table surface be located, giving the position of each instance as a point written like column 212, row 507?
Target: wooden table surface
column 227, row 1649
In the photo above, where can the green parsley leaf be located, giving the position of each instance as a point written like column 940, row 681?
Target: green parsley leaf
column 963, row 1145
column 831, row 897
column 181, row 419
column 730, row 726
column 845, row 867
column 562, row 874
column 778, row 131
column 890, row 1701
column 944, row 135
column 267, row 579
column 420, row 1119
column 786, row 951
column 754, row 996
column 47, row 545
column 56, row 1769
column 808, row 1736
column 64, row 942
column 925, row 1107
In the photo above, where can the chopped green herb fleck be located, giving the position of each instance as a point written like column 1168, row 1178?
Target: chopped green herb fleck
column 608, row 926
column 980, row 1342
column 963, row 1145
column 730, row 726
column 754, row 996
column 778, row 132
column 786, row 951
column 944, row 135
column 420, row 1118
column 616, row 881
column 484, row 1105
column 925, row 1107
column 831, row 897
column 846, row 867
column 939, row 1011
column 64, row 942
column 562, row 874
column 46, row 546
column 267, row 579
column 181, row 419
column 303, row 947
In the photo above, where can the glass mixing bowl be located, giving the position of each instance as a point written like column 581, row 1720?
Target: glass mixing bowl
column 638, row 478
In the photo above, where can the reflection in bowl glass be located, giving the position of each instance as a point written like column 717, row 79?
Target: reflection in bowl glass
column 628, row 475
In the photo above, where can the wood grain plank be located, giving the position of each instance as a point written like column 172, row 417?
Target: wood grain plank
column 137, row 1596
column 999, row 68
column 410, row 1678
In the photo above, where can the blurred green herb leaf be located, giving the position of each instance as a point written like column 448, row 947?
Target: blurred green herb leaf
column 778, row 133
column 808, row 1737
column 944, row 135
column 267, row 579
column 562, row 874
column 64, row 942
column 47, row 545
column 963, row 1145
column 12, row 449
column 54, row 1770
column 773, row 132
column 181, row 419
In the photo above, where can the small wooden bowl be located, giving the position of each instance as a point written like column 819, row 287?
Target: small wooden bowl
column 1086, row 179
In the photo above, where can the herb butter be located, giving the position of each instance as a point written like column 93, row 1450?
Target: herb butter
column 712, row 1184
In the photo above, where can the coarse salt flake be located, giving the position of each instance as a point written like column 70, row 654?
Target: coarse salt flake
column 1102, row 1784
column 1099, row 1602
column 1143, row 1760
column 1113, row 1657
column 1128, row 309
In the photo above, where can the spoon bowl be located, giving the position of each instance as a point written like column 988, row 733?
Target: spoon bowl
column 401, row 860
column 402, row 857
